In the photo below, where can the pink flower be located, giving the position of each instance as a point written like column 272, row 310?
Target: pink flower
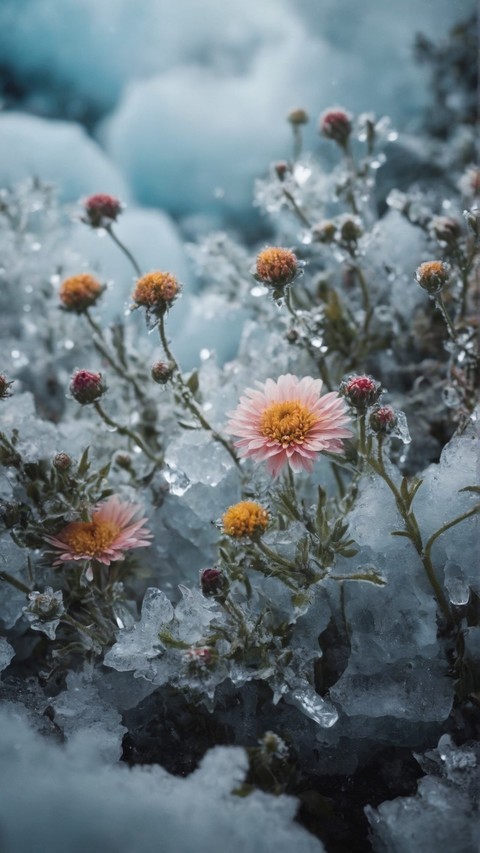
column 104, row 538
column 287, row 422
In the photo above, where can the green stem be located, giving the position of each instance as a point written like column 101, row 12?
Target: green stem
column 413, row 532
column 124, row 249
column 297, row 143
column 300, row 214
column 99, row 345
column 338, row 480
column 447, row 526
column 187, row 394
column 5, row 576
column 123, row 430
column 276, row 558
column 446, row 316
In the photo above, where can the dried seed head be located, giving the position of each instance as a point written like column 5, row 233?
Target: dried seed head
column 5, row 386
column 62, row 461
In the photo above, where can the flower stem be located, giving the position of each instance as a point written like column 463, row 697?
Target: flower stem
column 413, row 532
column 5, row 576
column 123, row 430
column 300, row 214
column 187, row 396
column 446, row 316
column 102, row 349
column 123, row 248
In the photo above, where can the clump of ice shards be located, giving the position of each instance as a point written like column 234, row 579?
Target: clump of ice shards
column 443, row 813
column 82, row 801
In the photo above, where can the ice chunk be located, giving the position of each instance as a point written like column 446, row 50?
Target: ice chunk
column 86, row 719
column 55, row 151
column 83, row 803
column 312, row 705
column 6, row 653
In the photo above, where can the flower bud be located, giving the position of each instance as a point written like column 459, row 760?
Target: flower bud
column 336, row 124
column 62, row 461
column 212, row 582
column 87, row 387
column 298, row 117
column 80, row 292
column 156, row 291
column 162, row 372
column 5, row 386
column 281, row 169
column 325, row 231
column 101, row 210
column 382, row 420
column 199, row 657
column 350, row 229
column 361, row 392
column 446, row 229
column 432, row 276
column 277, row 267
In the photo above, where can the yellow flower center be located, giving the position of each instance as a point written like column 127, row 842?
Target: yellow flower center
column 245, row 519
column 277, row 266
column 90, row 538
column 288, row 422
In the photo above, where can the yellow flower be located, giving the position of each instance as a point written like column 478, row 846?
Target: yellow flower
column 276, row 266
column 246, row 518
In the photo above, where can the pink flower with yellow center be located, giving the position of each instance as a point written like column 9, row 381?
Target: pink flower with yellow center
column 105, row 538
column 288, row 422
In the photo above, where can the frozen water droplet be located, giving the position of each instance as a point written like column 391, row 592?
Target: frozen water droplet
column 455, row 583
column 313, row 706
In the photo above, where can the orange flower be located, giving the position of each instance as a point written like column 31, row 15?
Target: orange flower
column 156, row 291
column 277, row 267
column 80, row 292
column 246, row 518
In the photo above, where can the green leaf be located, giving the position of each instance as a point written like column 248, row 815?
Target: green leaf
column 475, row 489
column 399, row 533
column 84, row 463
column 193, row 382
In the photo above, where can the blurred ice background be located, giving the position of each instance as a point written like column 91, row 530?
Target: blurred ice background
column 183, row 104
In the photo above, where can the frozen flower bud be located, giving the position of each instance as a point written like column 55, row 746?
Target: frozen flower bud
column 199, row 657
column 62, row 461
column 246, row 518
column 273, row 746
column 80, row 292
column 469, row 183
column 350, row 229
column 361, row 392
column 298, row 117
column 213, row 582
column 281, row 169
column 432, row 276
column 446, row 229
column 101, row 210
column 44, row 611
column 325, row 231
column 292, row 336
column 87, row 387
column 382, row 420
column 336, row 124
column 124, row 460
column 162, row 372
column 277, row 267
column 156, row 291
column 5, row 386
